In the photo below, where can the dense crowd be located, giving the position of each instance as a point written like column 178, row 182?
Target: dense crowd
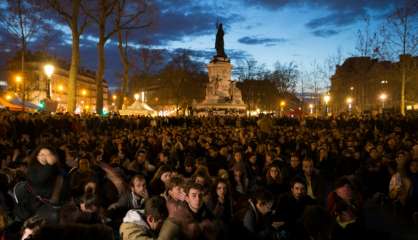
column 89, row 177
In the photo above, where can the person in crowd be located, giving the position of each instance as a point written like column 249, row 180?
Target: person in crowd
column 160, row 179
column 192, row 220
column 220, row 200
column 43, row 186
column 274, row 181
column 144, row 224
column 291, row 207
column 313, row 180
column 256, row 221
column 295, row 167
column 135, row 197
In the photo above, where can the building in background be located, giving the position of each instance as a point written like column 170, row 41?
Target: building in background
column 32, row 85
column 365, row 84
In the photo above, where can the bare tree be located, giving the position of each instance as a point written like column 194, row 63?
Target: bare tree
column 137, row 21
column 402, row 38
column 285, row 76
column 77, row 22
column 22, row 21
column 102, row 14
column 368, row 42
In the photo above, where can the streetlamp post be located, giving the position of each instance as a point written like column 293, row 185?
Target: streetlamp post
column 49, row 70
column 383, row 98
column 311, row 106
column 327, row 98
column 282, row 105
column 349, row 103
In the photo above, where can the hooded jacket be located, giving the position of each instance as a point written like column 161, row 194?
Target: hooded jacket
column 135, row 227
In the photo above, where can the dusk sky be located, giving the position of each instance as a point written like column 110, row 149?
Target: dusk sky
column 301, row 31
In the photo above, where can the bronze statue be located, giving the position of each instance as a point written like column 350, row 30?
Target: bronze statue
column 219, row 45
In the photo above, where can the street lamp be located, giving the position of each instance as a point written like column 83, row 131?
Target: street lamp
column 18, row 79
column 84, row 92
column 349, row 101
column 60, row 88
column 114, row 97
column 311, row 106
column 282, row 105
column 49, row 70
column 383, row 98
column 327, row 98
column 136, row 96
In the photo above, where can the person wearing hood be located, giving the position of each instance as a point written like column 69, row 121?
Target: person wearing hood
column 144, row 224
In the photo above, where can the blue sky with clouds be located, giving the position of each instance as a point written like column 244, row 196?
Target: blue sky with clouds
column 302, row 31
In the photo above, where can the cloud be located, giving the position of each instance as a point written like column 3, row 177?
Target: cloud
column 258, row 41
column 324, row 33
column 177, row 19
column 340, row 12
column 335, row 19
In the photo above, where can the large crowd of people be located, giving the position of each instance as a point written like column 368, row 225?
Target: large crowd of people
column 89, row 177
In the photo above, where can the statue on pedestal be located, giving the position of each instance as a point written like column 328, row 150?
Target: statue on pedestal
column 219, row 45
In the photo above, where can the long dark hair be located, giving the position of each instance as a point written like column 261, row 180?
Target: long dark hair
column 33, row 157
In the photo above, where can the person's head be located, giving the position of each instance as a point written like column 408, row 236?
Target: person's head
column 298, row 188
column 222, row 173
column 89, row 203
column 294, row 160
column 194, row 196
column 263, row 201
column 401, row 158
column 307, row 166
column 155, row 212
column 373, row 153
column 273, row 173
column 413, row 166
column 344, row 189
column 221, row 188
column 414, row 151
column 201, row 176
column 175, row 188
column 163, row 174
column 141, row 156
column 83, row 165
column 237, row 156
column 252, row 159
column 32, row 226
column 139, row 186
column 44, row 155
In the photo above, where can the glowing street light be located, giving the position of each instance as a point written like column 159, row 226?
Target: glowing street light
column 311, row 106
column 60, row 88
column 136, row 96
column 383, row 98
column 282, row 105
column 349, row 101
column 18, row 79
column 84, row 92
column 48, row 70
column 114, row 97
column 327, row 98
column 8, row 97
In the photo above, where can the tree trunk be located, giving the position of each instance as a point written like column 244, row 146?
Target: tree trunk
column 125, row 63
column 75, row 62
column 403, row 80
column 100, row 74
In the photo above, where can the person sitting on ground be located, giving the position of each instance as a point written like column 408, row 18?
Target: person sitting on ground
column 193, row 220
column 255, row 220
column 291, row 207
column 135, row 197
column 144, row 224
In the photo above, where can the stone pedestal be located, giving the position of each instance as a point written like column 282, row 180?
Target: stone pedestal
column 222, row 96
